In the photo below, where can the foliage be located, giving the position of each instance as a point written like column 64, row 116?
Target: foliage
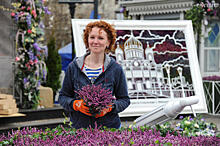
column 189, row 127
column 53, row 63
column 200, row 9
column 196, row 15
column 165, row 129
column 125, row 13
column 196, row 127
column 100, row 136
column 96, row 97
column 30, row 68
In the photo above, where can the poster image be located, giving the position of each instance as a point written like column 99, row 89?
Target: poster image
column 159, row 60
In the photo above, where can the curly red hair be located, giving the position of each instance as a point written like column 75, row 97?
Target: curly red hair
column 108, row 28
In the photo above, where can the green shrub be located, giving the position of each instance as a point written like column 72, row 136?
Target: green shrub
column 53, row 63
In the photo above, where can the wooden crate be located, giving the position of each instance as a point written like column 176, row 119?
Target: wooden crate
column 7, row 105
column 46, row 97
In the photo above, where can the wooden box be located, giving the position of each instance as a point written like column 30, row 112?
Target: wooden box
column 46, row 97
column 7, row 104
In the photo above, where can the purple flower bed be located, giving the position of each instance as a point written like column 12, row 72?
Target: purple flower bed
column 90, row 137
column 212, row 78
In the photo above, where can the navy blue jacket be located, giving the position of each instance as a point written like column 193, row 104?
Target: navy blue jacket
column 112, row 78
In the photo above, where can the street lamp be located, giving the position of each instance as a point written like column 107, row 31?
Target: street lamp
column 167, row 67
column 180, row 71
column 72, row 6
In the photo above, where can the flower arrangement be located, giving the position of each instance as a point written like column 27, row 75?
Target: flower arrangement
column 96, row 97
column 210, row 7
column 200, row 9
column 124, row 136
column 189, row 127
column 196, row 127
column 30, row 67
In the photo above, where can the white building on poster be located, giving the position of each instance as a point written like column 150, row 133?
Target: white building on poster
column 144, row 76
column 209, row 46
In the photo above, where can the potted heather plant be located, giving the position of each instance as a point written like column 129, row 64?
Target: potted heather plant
column 96, row 97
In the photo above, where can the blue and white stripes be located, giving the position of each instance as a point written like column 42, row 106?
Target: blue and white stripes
column 93, row 73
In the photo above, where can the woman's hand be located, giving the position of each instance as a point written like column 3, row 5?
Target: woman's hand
column 104, row 112
column 80, row 105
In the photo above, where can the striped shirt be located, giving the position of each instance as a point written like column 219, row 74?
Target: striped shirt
column 92, row 73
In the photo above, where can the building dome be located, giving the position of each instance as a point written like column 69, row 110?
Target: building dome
column 133, row 48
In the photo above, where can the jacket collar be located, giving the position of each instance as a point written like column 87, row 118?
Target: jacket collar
column 80, row 61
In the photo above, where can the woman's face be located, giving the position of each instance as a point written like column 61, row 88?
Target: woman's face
column 98, row 40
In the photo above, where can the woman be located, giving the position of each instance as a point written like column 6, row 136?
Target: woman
column 99, row 38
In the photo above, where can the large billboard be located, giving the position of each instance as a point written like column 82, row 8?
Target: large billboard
column 159, row 60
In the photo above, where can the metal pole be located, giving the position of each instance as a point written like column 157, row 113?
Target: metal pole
column 95, row 9
column 72, row 7
column 213, row 97
column 198, row 45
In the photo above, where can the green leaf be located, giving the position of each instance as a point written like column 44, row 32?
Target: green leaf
column 167, row 144
column 157, row 142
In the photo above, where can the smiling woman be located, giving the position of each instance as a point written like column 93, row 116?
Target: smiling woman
column 98, row 40
column 102, row 26
column 98, row 69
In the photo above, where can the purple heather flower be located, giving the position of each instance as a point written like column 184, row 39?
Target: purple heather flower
column 122, row 10
column 181, row 117
column 28, row 19
column 41, row 25
column 215, row 12
column 209, row 4
column 44, row 74
column 46, row 10
column 36, row 73
column 38, row 83
column 31, row 55
column 25, row 80
column 16, row 17
column 212, row 78
column 36, row 46
column 96, row 97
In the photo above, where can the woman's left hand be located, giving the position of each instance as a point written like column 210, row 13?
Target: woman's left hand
column 104, row 112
